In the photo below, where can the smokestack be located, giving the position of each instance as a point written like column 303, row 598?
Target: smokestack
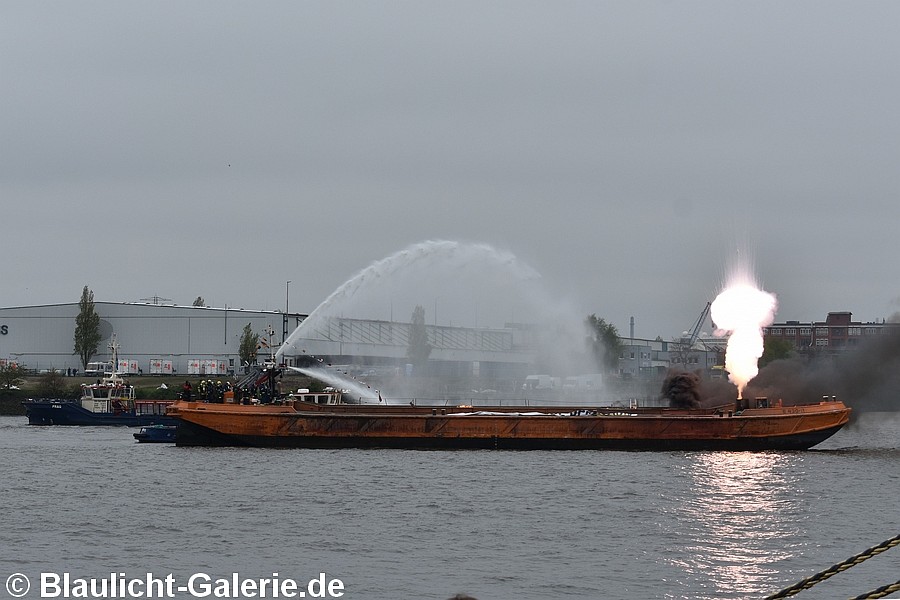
column 631, row 335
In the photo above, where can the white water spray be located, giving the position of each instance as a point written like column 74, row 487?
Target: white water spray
column 449, row 262
column 741, row 310
column 364, row 393
column 460, row 285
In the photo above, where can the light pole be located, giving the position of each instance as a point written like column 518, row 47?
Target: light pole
column 287, row 308
column 287, row 296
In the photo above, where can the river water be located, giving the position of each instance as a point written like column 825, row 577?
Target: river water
column 497, row 525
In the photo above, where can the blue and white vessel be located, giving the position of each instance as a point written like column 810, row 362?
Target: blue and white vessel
column 109, row 401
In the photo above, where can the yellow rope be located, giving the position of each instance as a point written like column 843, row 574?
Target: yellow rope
column 838, row 568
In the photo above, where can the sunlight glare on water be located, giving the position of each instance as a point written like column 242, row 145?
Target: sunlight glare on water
column 740, row 513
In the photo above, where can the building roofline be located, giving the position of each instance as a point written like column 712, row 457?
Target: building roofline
column 161, row 306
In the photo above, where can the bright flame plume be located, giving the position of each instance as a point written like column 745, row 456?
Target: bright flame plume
column 741, row 311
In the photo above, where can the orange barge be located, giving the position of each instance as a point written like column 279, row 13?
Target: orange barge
column 306, row 425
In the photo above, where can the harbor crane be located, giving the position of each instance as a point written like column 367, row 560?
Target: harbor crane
column 692, row 336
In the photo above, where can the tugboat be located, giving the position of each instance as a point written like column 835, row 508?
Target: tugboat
column 109, row 401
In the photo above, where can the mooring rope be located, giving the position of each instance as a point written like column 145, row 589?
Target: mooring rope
column 880, row 592
column 843, row 566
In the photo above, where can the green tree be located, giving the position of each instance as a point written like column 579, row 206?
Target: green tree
column 87, row 328
column 11, row 375
column 419, row 349
column 248, row 347
column 604, row 342
column 52, row 385
column 775, row 349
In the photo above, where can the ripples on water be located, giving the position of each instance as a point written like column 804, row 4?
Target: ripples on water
column 729, row 518
column 498, row 525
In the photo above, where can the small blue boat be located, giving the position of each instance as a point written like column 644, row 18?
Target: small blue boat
column 156, row 434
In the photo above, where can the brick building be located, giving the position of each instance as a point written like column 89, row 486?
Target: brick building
column 837, row 332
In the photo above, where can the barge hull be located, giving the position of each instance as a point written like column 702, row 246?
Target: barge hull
column 796, row 428
column 193, row 435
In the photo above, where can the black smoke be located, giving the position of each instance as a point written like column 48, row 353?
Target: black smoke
column 688, row 389
column 682, row 389
column 866, row 377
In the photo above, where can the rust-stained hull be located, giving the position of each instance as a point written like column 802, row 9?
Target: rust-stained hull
column 364, row 426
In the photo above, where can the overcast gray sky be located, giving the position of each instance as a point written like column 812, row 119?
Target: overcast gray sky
column 623, row 150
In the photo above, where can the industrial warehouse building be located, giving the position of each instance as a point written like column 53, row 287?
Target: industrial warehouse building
column 169, row 339
column 151, row 337
column 190, row 340
column 195, row 341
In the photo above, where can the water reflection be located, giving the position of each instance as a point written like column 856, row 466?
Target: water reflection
column 739, row 517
